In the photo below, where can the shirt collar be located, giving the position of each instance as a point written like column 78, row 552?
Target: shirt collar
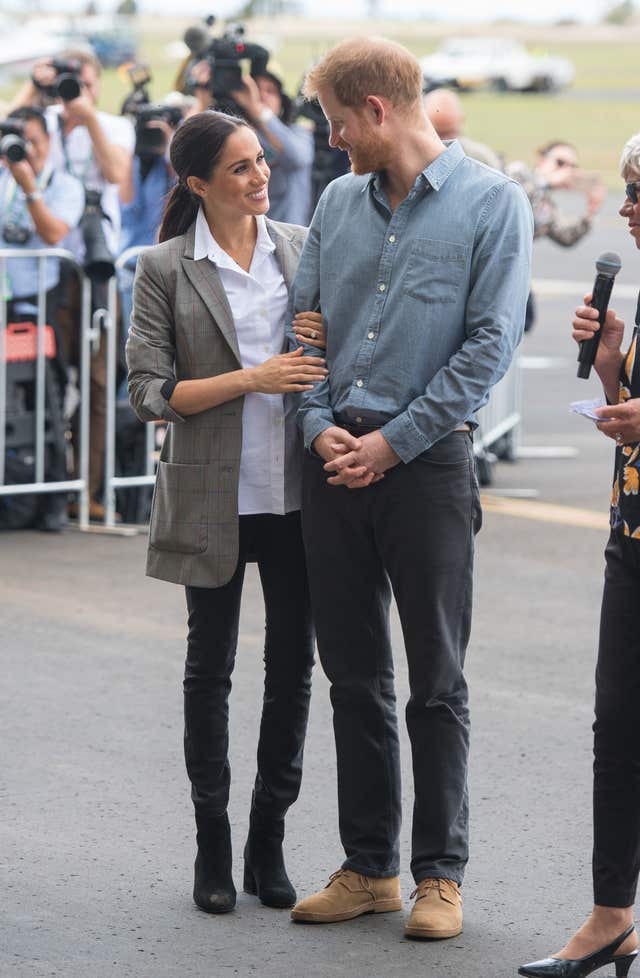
column 436, row 173
column 206, row 246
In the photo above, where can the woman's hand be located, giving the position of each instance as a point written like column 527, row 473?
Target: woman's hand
column 309, row 329
column 608, row 361
column 286, row 373
column 248, row 98
column 621, row 421
column 586, row 325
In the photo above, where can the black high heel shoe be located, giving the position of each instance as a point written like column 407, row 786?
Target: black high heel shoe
column 213, row 889
column 581, row 967
column 265, row 875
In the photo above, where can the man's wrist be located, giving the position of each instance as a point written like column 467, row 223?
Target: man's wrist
column 32, row 196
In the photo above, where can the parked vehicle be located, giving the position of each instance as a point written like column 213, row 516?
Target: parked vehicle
column 500, row 63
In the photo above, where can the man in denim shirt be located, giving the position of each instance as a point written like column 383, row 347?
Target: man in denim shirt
column 420, row 260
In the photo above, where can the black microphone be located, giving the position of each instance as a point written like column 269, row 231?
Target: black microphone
column 607, row 266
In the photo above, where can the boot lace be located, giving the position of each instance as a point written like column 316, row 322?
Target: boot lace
column 425, row 886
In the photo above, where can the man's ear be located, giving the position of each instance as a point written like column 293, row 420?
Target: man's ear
column 377, row 109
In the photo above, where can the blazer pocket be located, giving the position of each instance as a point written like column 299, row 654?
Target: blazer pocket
column 435, row 270
column 180, row 506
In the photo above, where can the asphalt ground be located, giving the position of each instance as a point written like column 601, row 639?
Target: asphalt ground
column 97, row 839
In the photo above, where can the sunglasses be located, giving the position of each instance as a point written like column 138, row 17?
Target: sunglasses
column 632, row 192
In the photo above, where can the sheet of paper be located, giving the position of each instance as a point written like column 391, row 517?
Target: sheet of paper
column 586, row 408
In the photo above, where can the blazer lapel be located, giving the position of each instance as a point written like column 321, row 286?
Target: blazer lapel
column 284, row 253
column 206, row 281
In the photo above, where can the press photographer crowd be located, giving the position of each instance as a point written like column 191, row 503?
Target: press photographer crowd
column 93, row 183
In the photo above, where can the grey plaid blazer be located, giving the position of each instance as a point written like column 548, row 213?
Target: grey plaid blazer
column 182, row 329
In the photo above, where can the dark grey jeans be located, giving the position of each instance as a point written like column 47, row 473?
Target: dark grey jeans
column 413, row 533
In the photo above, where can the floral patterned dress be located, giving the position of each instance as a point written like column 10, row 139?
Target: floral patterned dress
column 625, row 499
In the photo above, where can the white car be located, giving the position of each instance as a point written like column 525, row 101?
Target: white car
column 504, row 64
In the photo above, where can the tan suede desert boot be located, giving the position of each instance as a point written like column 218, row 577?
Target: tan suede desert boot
column 347, row 895
column 437, row 912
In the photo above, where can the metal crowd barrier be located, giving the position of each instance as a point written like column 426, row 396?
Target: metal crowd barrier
column 500, row 419
column 39, row 485
column 111, row 480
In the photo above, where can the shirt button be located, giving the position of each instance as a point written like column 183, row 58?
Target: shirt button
column 392, row 238
column 371, row 336
column 359, row 420
column 359, row 383
column 381, row 287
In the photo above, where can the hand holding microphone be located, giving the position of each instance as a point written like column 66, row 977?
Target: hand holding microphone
column 590, row 320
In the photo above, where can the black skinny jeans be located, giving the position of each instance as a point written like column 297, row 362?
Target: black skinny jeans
column 412, row 532
column 616, row 784
column 275, row 542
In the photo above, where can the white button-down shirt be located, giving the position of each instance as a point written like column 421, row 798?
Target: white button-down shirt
column 258, row 301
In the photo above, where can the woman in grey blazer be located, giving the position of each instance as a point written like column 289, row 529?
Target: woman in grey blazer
column 205, row 352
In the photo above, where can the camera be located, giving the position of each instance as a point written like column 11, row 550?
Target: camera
column 140, row 77
column 223, row 54
column 12, row 142
column 98, row 260
column 151, row 141
column 67, row 85
column 15, row 234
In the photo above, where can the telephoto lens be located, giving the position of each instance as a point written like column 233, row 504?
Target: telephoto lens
column 13, row 148
column 68, row 87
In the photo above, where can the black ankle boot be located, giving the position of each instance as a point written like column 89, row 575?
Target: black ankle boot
column 265, row 875
column 213, row 888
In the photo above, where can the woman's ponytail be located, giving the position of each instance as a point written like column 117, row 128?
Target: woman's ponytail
column 180, row 211
column 195, row 151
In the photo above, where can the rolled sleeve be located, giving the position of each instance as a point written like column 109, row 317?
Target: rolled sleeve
column 150, row 348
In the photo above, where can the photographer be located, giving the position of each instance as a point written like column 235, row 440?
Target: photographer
column 39, row 206
column 95, row 147
column 289, row 148
column 557, row 168
column 144, row 190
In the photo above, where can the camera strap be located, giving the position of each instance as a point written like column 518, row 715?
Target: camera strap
column 15, row 207
column 65, row 152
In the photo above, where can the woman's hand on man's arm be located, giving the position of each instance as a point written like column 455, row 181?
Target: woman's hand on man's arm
column 282, row 374
column 309, row 329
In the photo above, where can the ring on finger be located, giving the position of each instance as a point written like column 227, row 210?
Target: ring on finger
column 618, row 439
column 313, row 334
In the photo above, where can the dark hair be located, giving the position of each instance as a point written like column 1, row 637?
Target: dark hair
column 549, row 147
column 195, row 151
column 30, row 114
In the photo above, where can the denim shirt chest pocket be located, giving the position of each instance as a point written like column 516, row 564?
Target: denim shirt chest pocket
column 435, row 270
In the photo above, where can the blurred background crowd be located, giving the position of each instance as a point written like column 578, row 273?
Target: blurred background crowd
column 85, row 166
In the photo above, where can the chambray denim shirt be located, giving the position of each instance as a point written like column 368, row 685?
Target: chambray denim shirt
column 423, row 306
